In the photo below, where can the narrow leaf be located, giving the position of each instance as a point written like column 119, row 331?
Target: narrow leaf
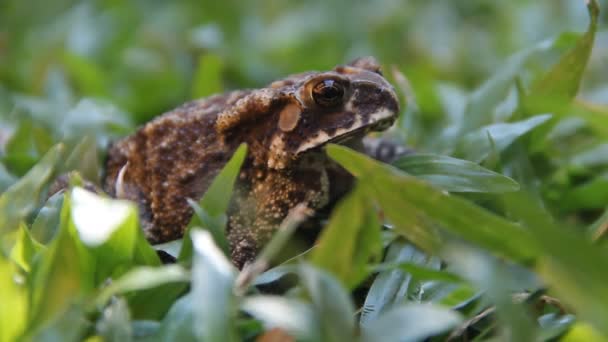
column 455, row 175
column 350, row 240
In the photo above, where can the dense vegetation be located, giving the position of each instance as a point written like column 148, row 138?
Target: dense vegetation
column 495, row 229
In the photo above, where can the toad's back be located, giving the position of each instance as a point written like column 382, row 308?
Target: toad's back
column 170, row 159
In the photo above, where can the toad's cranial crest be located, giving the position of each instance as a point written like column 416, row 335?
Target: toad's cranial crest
column 177, row 155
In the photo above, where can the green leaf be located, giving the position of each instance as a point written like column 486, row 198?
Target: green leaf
column 26, row 146
column 477, row 145
column 564, row 78
column 6, row 178
column 497, row 280
column 84, row 159
column 411, row 322
column 208, row 76
column 210, row 213
column 575, row 277
column 88, row 76
column 46, row 223
column 63, row 275
column 212, row 281
column 14, row 298
column 420, row 272
column 110, row 232
column 582, row 332
column 142, row 278
column 115, row 322
column 331, row 304
column 589, row 195
column 455, row 175
column 350, row 241
column 208, row 311
column 403, row 197
column 25, row 249
column 20, row 199
column 294, row 316
column 71, row 325
column 393, row 285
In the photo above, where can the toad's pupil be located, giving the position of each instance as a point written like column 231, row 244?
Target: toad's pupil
column 328, row 93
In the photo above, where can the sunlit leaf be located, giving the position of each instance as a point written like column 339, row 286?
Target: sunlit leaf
column 63, row 275
column 25, row 249
column 14, row 298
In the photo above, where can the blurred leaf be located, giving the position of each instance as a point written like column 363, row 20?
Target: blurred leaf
column 207, row 312
column 14, row 298
column 401, row 195
column 497, row 280
column 210, row 213
column 71, row 325
column 576, row 277
column 110, row 231
column 46, row 223
column 25, row 147
column 331, row 304
column 21, row 198
column 582, row 332
column 6, row 178
column 293, row 315
column 25, row 249
column 476, row 146
column 420, row 272
column 593, row 157
column 589, row 195
column 455, row 175
column 62, row 276
column 350, row 241
column 564, row 78
column 95, row 118
column 84, row 159
column 89, row 78
column 212, row 281
column 554, row 325
column 411, row 322
column 115, row 322
column 208, row 76
column 140, row 278
column 391, row 286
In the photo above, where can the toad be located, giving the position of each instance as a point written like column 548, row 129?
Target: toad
column 177, row 155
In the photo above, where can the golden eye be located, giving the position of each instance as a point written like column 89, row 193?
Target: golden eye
column 328, row 93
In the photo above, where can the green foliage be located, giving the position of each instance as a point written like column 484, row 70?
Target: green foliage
column 493, row 228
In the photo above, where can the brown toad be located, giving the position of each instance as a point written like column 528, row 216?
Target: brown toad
column 177, row 155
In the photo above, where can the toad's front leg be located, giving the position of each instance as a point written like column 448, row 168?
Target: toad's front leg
column 260, row 206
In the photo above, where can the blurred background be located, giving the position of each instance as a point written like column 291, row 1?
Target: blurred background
column 144, row 56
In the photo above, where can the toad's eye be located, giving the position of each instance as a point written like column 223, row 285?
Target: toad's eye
column 328, row 93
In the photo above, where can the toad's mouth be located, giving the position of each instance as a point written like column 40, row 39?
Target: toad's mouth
column 380, row 121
